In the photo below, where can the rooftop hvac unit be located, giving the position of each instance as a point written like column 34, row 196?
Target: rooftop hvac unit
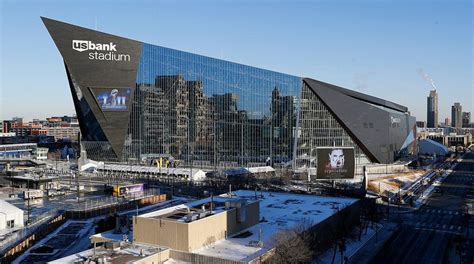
column 191, row 217
column 241, row 212
column 112, row 245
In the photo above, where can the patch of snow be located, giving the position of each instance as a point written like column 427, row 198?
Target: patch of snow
column 280, row 211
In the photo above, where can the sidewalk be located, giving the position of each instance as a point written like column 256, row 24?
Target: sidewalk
column 426, row 194
column 353, row 245
column 368, row 251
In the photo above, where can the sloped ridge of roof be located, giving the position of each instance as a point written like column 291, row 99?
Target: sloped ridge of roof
column 8, row 208
column 352, row 113
column 363, row 97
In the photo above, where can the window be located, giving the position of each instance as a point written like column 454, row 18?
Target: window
column 10, row 223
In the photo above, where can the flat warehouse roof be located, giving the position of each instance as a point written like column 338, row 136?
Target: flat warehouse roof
column 278, row 211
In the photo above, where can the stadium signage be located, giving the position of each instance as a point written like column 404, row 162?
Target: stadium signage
column 99, row 51
column 395, row 120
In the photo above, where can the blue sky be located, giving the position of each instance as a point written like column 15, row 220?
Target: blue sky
column 375, row 47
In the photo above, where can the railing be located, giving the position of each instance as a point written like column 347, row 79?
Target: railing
column 196, row 258
column 18, row 236
column 98, row 202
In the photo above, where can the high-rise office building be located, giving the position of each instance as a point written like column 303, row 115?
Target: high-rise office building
column 466, row 119
column 456, row 115
column 432, row 110
column 135, row 100
column 447, row 122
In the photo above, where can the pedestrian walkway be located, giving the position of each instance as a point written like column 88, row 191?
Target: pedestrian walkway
column 367, row 251
column 427, row 192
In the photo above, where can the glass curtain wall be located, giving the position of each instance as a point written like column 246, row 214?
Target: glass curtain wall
column 319, row 128
column 210, row 113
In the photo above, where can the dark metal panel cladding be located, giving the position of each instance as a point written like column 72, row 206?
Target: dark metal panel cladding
column 366, row 98
column 96, row 73
column 380, row 133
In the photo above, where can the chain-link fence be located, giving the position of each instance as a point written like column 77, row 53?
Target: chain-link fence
column 103, row 201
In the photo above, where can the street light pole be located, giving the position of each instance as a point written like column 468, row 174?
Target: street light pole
column 399, row 198
column 29, row 196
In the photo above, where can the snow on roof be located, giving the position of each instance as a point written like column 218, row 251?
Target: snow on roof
column 236, row 171
column 221, row 198
column 176, row 261
column 245, row 170
column 139, row 168
column 124, row 254
column 8, row 208
column 279, row 211
column 261, row 169
column 111, row 235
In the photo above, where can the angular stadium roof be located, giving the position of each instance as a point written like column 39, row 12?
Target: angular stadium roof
column 354, row 110
column 363, row 97
column 367, row 119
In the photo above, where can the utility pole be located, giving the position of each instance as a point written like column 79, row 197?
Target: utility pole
column 77, row 185
column 242, row 143
column 388, row 206
column 215, row 149
column 28, row 206
column 399, row 198
column 310, row 155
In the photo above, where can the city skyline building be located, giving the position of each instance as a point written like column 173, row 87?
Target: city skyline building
column 447, row 122
column 456, row 115
column 466, row 119
column 432, row 110
column 136, row 100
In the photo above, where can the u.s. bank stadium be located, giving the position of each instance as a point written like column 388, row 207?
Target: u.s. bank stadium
column 135, row 100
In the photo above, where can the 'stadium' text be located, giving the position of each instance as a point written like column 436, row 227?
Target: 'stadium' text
column 109, row 56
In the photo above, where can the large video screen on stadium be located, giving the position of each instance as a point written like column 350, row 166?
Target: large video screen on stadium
column 335, row 163
column 112, row 99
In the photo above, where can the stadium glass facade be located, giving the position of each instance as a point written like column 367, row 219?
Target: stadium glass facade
column 210, row 113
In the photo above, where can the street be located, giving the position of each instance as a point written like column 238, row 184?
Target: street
column 439, row 231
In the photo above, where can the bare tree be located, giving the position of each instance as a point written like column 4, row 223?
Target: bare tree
column 369, row 215
column 293, row 245
column 341, row 231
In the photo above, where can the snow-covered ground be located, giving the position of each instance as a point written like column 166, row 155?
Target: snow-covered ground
column 280, row 211
column 80, row 243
